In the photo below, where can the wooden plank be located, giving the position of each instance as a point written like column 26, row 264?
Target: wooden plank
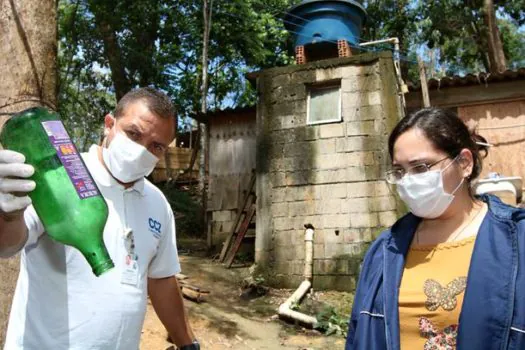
column 240, row 235
column 503, row 125
column 249, row 195
column 424, row 85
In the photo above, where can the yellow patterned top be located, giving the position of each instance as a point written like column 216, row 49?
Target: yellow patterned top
column 431, row 294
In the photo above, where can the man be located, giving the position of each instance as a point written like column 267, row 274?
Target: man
column 58, row 302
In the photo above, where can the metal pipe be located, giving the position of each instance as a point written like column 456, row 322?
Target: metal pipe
column 285, row 310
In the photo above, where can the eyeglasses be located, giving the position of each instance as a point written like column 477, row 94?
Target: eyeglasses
column 395, row 175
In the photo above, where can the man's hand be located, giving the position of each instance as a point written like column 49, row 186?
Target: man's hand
column 14, row 185
column 166, row 299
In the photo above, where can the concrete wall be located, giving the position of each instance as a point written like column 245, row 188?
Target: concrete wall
column 328, row 175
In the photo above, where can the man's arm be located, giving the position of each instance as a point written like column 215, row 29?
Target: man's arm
column 167, row 301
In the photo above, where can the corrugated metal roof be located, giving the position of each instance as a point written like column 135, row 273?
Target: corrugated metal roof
column 221, row 112
column 471, row 79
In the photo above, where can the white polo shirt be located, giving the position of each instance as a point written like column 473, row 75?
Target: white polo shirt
column 59, row 304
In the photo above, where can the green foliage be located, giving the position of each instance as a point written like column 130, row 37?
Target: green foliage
column 187, row 210
column 330, row 322
column 109, row 47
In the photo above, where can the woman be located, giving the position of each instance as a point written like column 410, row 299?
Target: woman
column 450, row 274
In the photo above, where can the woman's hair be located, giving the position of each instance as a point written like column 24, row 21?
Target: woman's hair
column 446, row 131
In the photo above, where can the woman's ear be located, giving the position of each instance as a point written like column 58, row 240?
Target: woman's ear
column 466, row 162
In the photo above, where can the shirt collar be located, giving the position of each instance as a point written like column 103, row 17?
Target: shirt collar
column 104, row 178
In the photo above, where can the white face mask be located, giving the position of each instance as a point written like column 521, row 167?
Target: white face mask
column 126, row 160
column 424, row 193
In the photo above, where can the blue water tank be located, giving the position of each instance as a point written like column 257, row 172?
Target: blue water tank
column 317, row 21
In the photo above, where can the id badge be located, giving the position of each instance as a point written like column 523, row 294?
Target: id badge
column 130, row 272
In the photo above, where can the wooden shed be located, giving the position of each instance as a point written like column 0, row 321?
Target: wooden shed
column 495, row 104
column 232, row 142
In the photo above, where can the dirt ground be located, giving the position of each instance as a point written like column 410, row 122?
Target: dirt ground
column 227, row 321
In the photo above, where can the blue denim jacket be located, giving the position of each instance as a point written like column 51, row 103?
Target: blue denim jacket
column 493, row 312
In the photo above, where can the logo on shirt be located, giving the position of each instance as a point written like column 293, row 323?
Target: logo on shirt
column 154, row 227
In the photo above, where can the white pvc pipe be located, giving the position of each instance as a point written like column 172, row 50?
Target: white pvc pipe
column 402, row 86
column 285, row 308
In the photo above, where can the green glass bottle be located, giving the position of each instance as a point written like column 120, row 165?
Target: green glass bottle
column 66, row 198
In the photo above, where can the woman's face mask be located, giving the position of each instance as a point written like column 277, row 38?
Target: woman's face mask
column 126, row 160
column 424, row 193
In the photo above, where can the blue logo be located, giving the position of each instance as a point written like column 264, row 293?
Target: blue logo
column 154, row 226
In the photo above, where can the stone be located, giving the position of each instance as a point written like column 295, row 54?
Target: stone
column 331, row 130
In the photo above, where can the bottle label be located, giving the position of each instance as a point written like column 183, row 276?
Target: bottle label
column 71, row 159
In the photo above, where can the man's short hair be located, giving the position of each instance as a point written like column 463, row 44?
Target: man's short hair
column 158, row 102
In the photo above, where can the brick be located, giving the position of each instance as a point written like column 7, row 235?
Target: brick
column 283, row 224
column 297, row 163
column 300, row 253
column 280, row 80
column 325, row 146
column 283, row 253
column 283, row 238
column 327, row 74
column 356, row 173
column 372, row 98
column 336, row 221
column 315, row 220
column 387, row 218
column 331, row 237
column 328, row 206
column 277, row 164
column 290, row 121
column 350, row 85
column 330, row 191
column 384, row 203
column 331, row 161
column 349, row 144
column 361, row 128
column 279, row 209
column 331, row 250
column 355, row 205
column 300, row 193
column 360, row 70
column 331, row 130
column 318, row 251
column 279, row 195
column 359, row 158
column 298, row 178
column 278, row 179
column 350, row 100
column 351, row 71
column 299, row 149
column 368, row 189
column 370, row 112
column 330, row 176
column 351, row 235
column 364, row 220
column 300, row 208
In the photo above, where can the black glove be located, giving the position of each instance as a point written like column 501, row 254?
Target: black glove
column 193, row 346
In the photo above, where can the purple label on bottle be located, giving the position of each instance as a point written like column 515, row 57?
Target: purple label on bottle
column 68, row 155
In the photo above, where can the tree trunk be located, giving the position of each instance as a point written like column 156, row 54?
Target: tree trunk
column 204, row 94
column 112, row 49
column 28, row 43
column 495, row 46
